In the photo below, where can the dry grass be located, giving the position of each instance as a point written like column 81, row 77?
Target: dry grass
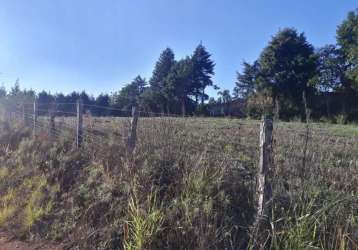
column 189, row 184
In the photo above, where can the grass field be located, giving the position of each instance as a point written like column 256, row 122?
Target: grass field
column 190, row 184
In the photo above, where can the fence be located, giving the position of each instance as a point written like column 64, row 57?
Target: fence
column 75, row 120
column 295, row 148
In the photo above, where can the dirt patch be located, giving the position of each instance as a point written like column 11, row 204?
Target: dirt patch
column 8, row 242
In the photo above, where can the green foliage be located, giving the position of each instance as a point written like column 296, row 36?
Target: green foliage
column 330, row 68
column 180, row 82
column 347, row 38
column 154, row 98
column 287, row 65
column 203, row 71
column 36, row 206
column 143, row 224
column 7, row 208
column 130, row 94
column 246, row 82
column 161, row 70
column 317, row 219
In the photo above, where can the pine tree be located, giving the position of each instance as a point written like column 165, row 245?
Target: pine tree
column 246, row 81
column 347, row 39
column 102, row 102
column 158, row 80
column 3, row 91
column 287, row 65
column 130, row 94
column 179, row 83
column 162, row 68
column 203, row 71
column 330, row 73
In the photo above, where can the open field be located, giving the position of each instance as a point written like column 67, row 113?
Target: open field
column 190, row 184
column 106, row 144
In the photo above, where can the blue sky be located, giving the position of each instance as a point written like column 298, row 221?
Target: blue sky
column 100, row 45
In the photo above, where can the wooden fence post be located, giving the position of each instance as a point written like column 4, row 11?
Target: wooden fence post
column 24, row 114
column 79, row 129
column 132, row 137
column 52, row 115
column 35, row 116
column 264, row 175
column 7, row 113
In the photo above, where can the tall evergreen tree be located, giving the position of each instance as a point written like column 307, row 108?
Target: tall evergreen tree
column 162, row 68
column 130, row 94
column 179, row 83
column 288, row 64
column 246, row 81
column 15, row 90
column 347, row 39
column 102, row 103
column 3, row 92
column 46, row 100
column 203, row 71
column 158, row 80
column 330, row 73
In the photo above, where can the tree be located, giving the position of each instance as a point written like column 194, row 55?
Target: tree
column 179, row 83
column 87, row 101
column 69, row 104
column 18, row 96
column 330, row 70
column 203, row 71
column 225, row 100
column 102, row 103
column 150, row 99
column 3, row 92
column 246, row 81
column 45, row 100
column 15, row 90
column 62, row 103
column 287, row 66
column 347, row 39
column 130, row 94
column 158, row 80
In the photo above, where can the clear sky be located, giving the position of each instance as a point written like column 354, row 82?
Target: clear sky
column 99, row 45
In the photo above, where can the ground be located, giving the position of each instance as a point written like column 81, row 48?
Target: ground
column 8, row 242
column 202, row 171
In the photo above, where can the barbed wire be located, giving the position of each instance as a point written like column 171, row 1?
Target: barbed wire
column 95, row 143
column 99, row 123
column 55, row 104
column 103, row 120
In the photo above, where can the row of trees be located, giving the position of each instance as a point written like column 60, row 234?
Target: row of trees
column 16, row 97
column 290, row 74
column 289, row 78
column 175, row 86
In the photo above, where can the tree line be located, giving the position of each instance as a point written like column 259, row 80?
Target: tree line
column 291, row 76
column 290, row 79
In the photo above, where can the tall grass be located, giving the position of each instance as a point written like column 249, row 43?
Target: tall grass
column 143, row 224
column 190, row 184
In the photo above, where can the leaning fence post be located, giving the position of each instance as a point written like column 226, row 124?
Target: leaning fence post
column 79, row 129
column 132, row 137
column 264, row 188
column 35, row 116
